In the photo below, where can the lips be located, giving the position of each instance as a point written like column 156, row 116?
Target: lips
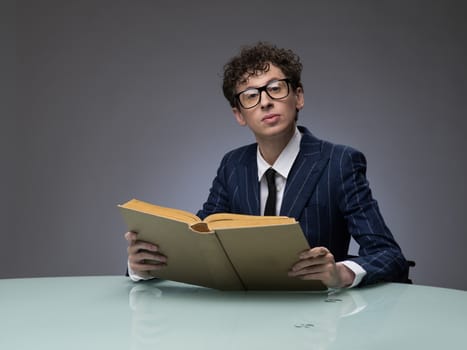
column 270, row 117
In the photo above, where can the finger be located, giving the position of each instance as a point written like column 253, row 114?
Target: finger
column 325, row 273
column 318, row 261
column 302, row 264
column 310, row 269
column 138, row 263
column 143, row 250
column 144, row 266
column 141, row 255
column 149, row 257
column 314, row 253
column 146, row 258
column 136, row 246
column 321, row 276
column 130, row 236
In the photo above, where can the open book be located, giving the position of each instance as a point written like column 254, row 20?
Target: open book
column 223, row 251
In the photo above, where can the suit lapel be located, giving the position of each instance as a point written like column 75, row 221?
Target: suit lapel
column 305, row 174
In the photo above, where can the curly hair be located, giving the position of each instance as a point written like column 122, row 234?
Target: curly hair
column 257, row 58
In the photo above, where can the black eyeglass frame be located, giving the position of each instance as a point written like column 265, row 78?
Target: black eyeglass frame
column 260, row 91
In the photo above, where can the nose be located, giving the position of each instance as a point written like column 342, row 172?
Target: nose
column 265, row 101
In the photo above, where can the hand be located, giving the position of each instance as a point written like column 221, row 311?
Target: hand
column 318, row 264
column 143, row 257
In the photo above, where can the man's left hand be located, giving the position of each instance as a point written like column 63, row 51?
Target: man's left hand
column 318, row 264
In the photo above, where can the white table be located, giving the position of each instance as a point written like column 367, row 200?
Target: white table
column 111, row 312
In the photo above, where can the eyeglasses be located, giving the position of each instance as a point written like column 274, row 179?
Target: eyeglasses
column 276, row 89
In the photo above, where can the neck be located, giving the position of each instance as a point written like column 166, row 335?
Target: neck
column 272, row 147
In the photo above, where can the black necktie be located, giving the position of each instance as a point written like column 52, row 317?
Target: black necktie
column 270, row 208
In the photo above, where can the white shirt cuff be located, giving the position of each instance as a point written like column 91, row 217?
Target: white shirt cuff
column 357, row 270
column 135, row 277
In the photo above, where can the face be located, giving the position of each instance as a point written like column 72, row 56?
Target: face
column 270, row 118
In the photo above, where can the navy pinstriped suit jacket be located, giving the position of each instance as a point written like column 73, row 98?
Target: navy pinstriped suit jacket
column 327, row 192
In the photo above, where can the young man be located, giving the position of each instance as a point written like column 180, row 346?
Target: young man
column 320, row 184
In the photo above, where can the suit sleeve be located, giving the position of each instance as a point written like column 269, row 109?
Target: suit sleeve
column 379, row 253
column 218, row 200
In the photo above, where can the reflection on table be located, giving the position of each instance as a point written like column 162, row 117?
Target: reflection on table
column 165, row 314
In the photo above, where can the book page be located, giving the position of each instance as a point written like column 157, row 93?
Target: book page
column 221, row 220
column 169, row 213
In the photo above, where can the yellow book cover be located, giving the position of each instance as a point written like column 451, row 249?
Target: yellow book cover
column 224, row 251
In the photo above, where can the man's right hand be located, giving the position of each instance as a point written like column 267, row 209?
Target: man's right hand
column 143, row 257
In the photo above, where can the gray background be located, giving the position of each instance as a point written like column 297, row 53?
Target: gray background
column 122, row 99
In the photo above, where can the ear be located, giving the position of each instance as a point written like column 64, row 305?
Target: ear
column 299, row 99
column 239, row 116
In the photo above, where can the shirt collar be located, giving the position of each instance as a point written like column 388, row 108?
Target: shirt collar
column 284, row 162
